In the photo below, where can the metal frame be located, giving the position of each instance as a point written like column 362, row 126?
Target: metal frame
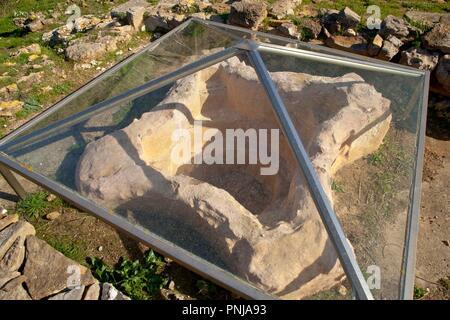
column 327, row 214
column 252, row 49
column 412, row 227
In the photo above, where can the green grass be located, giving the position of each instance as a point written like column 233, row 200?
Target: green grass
column 335, row 186
column 35, row 205
column 74, row 250
column 138, row 280
column 31, row 106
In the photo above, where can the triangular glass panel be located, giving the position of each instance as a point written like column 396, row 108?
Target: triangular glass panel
column 361, row 127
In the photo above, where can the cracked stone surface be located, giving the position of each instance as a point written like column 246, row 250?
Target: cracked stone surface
column 265, row 229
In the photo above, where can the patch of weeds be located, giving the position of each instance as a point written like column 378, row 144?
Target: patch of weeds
column 62, row 88
column 419, row 293
column 138, row 280
column 74, row 250
column 153, row 2
column 185, row 9
column 30, row 106
column 34, row 206
column 376, row 158
column 335, row 186
column 205, row 288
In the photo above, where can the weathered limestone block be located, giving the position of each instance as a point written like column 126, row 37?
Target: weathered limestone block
column 13, row 258
column 274, row 237
column 9, row 235
column 44, row 278
column 9, row 219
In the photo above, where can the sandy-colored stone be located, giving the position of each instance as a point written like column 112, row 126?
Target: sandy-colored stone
column 9, row 235
column 70, row 294
column 44, row 278
column 13, row 258
column 92, row 292
column 14, row 290
column 52, row 215
column 11, row 105
column 279, row 243
column 7, row 220
column 5, row 277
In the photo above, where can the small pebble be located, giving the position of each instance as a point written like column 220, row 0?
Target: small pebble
column 51, row 197
column 3, row 211
column 52, row 215
column 342, row 290
column 171, row 285
column 100, row 248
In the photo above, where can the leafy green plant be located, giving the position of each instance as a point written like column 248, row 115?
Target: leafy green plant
column 419, row 293
column 34, row 205
column 138, row 280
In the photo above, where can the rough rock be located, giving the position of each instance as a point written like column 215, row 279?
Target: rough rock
column 52, row 215
column 9, row 219
column 70, row 294
column 248, row 13
column 394, row 26
column 438, row 38
column 135, row 17
column 283, row 248
column 391, row 46
column 311, row 28
column 6, row 276
column 31, row 49
column 330, row 21
column 59, row 36
column 348, row 18
column 443, row 72
column 85, row 23
column 420, row 58
column 109, row 292
column 9, row 235
column 428, row 19
column 33, row 77
column 34, row 25
column 44, row 279
column 92, row 292
column 289, row 30
column 375, row 46
column 282, row 8
column 13, row 258
column 85, row 51
column 14, row 290
column 356, row 44
column 120, row 12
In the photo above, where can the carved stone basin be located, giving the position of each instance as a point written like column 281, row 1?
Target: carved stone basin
column 264, row 228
